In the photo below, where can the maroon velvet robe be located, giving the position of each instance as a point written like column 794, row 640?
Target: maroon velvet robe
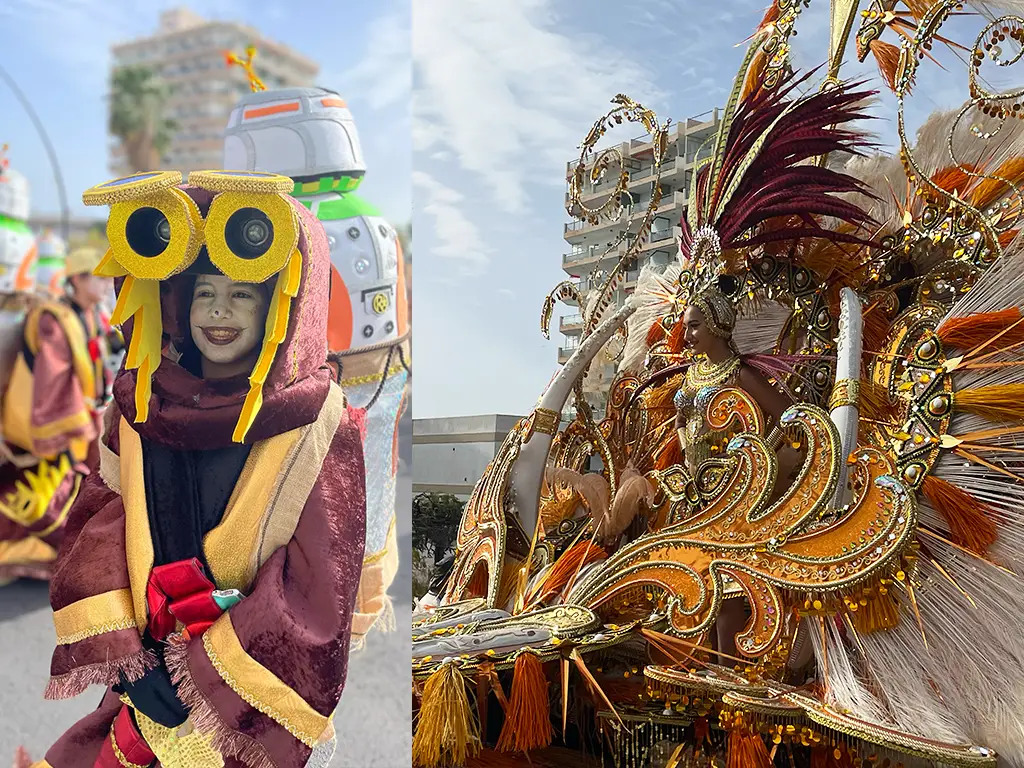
column 292, row 628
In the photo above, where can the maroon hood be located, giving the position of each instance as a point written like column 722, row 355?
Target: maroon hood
column 189, row 412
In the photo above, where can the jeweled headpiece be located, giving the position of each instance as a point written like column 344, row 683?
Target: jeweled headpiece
column 760, row 185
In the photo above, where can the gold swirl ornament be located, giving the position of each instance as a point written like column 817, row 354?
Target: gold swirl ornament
column 765, row 550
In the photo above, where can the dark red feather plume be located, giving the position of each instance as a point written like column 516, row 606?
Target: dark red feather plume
column 780, row 196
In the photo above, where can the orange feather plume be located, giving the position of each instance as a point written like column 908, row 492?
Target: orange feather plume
column 888, row 57
column 972, row 331
column 970, row 522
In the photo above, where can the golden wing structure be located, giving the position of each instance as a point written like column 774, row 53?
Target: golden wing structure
column 794, row 593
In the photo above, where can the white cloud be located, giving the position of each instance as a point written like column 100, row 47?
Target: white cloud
column 511, row 91
column 507, row 292
column 457, row 237
column 383, row 76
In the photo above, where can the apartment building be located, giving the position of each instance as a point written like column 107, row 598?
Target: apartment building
column 588, row 260
column 187, row 51
column 450, row 454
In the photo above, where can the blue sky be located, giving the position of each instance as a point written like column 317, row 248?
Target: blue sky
column 58, row 51
column 504, row 90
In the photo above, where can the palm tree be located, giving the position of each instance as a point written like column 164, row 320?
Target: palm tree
column 137, row 101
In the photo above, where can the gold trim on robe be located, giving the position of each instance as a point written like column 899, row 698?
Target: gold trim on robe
column 96, row 615
column 259, row 687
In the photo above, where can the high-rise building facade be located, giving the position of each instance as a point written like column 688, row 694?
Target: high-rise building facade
column 187, row 52
column 589, row 243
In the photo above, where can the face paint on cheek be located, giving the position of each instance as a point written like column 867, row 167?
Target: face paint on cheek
column 227, row 319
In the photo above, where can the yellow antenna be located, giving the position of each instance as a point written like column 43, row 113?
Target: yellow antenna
column 233, row 59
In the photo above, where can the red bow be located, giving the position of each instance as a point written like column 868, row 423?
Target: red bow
column 180, row 591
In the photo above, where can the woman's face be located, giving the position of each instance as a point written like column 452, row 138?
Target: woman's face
column 695, row 331
column 227, row 318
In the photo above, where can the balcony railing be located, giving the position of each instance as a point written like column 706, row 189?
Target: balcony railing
column 571, row 320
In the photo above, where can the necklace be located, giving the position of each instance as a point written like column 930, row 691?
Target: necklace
column 705, row 373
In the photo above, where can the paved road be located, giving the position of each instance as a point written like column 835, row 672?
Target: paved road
column 373, row 721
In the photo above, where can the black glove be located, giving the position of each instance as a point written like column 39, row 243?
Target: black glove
column 154, row 695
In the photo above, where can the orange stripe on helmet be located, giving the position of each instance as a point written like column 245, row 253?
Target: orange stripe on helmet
column 274, row 109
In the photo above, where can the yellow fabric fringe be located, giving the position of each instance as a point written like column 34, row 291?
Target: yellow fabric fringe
column 446, row 733
column 287, row 288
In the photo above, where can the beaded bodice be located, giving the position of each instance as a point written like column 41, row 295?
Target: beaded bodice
column 702, row 380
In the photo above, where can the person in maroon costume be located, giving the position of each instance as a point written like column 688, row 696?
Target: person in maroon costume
column 209, row 581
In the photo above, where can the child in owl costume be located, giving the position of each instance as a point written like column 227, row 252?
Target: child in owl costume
column 309, row 135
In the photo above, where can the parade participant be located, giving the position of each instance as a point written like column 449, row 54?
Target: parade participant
column 35, row 486
column 50, row 272
column 309, row 135
column 210, row 571
column 59, row 383
column 882, row 296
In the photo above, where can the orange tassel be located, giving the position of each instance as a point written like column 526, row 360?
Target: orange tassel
column 528, row 719
column 990, row 190
column 701, row 731
column 747, row 750
column 999, row 403
column 446, row 733
column 953, row 178
column 972, row 331
column 655, row 334
column 888, row 57
column 970, row 522
column 579, row 555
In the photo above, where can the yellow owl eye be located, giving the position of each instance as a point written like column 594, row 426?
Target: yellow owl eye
column 154, row 228
column 158, row 236
column 250, row 235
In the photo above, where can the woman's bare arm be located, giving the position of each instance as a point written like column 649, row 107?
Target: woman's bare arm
column 772, row 402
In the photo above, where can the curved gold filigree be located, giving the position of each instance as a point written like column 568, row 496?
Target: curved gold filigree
column 764, row 550
column 482, row 539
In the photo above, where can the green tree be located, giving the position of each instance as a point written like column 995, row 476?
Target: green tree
column 435, row 522
column 138, row 100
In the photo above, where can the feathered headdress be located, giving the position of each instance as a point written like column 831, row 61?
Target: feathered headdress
column 757, row 186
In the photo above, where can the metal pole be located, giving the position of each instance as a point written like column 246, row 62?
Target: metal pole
column 65, row 214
